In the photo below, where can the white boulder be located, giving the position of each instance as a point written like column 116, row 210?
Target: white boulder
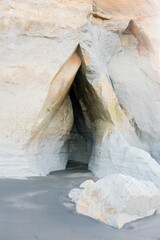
column 119, row 199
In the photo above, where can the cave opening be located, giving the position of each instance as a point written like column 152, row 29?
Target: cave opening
column 56, row 140
column 80, row 142
column 89, row 114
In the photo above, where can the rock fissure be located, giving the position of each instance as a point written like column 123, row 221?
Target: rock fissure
column 87, row 110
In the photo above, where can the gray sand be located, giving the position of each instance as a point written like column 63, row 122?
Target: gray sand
column 38, row 209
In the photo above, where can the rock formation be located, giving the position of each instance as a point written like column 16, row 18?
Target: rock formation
column 117, row 199
column 142, row 38
column 73, row 86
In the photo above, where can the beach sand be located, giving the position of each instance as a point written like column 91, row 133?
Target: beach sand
column 38, row 208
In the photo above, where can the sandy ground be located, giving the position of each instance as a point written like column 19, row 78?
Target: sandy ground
column 38, row 209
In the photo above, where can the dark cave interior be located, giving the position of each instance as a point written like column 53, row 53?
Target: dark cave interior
column 87, row 108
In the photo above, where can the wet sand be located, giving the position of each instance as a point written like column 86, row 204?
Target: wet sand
column 38, row 209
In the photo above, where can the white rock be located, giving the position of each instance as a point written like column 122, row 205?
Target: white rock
column 87, row 184
column 35, row 111
column 115, row 155
column 74, row 194
column 37, row 66
column 118, row 199
column 137, row 86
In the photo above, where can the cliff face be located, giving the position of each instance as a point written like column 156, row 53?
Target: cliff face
column 78, row 83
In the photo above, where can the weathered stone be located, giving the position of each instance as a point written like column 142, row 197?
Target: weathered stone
column 119, row 199
column 142, row 38
column 87, row 184
column 41, row 116
column 70, row 79
column 74, row 194
column 136, row 84
column 115, row 155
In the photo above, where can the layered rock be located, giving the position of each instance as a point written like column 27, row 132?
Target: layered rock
column 72, row 81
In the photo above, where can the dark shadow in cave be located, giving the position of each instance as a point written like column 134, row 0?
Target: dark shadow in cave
column 87, row 108
column 81, row 139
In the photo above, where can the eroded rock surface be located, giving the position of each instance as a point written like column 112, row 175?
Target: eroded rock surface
column 118, row 199
column 71, row 81
column 115, row 155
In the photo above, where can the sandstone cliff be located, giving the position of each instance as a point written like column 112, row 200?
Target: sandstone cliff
column 75, row 82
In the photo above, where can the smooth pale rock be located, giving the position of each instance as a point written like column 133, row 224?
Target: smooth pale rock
column 36, row 58
column 115, row 155
column 137, row 86
column 41, row 113
column 119, row 199
column 87, row 184
column 74, row 194
column 123, row 89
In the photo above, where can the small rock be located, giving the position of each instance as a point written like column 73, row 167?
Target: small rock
column 87, row 184
column 74, row 194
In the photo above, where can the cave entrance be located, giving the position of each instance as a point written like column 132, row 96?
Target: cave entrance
column 81, row 138
column 47, row 144
column 89, row 115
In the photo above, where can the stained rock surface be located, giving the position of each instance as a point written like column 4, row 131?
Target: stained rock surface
column 75, row 86
column 118, row 199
